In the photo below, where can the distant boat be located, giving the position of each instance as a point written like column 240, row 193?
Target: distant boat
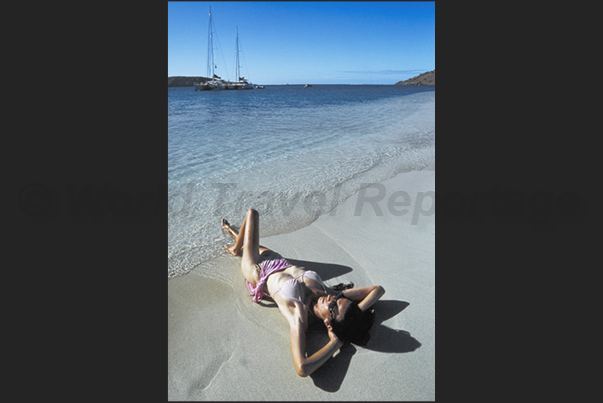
column 307, row 85
column 217, row 83
column 241, row 83
column 214, row 82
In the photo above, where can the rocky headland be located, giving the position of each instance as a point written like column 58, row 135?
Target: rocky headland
column 179, row 81
column 427, row 78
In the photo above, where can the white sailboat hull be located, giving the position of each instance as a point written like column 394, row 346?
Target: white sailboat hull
column 218, row 85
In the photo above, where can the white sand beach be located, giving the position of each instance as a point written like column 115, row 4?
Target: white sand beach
column 222, row 346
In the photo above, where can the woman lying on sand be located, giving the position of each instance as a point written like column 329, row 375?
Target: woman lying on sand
column 302, row 297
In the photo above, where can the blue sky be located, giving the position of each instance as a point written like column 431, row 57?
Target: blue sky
column 303, row 42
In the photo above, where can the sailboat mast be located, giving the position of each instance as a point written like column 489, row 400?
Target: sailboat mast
column 238, row 67
column 210, row 49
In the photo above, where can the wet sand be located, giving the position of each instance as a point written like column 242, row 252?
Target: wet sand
column 222, row 346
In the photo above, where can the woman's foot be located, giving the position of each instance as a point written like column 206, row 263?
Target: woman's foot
column 230, row 249
column 228, row 229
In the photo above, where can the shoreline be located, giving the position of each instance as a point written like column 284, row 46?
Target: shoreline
column 300, row 223
column 282, row 215
column 383, row 234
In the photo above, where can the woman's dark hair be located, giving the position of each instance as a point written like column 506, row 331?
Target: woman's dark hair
column 354, row 326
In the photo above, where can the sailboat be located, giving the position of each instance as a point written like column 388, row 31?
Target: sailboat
column 241, row 83
column 216, row 82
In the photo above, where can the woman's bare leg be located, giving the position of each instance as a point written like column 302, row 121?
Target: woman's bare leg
column 231, row 231
column 235, row 235
column 247, row 241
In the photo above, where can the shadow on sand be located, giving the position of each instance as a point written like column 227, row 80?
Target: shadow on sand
column 383, row 339
column 326, row 271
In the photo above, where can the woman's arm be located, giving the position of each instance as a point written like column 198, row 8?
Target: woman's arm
column 365, row 296
column 305, row 366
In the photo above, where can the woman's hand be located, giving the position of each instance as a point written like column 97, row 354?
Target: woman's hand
column 332, row 335
column 336, row 342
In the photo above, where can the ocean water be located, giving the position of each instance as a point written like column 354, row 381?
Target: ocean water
column 290, row 152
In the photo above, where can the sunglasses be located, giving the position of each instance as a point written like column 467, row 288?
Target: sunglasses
column 333, row 305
